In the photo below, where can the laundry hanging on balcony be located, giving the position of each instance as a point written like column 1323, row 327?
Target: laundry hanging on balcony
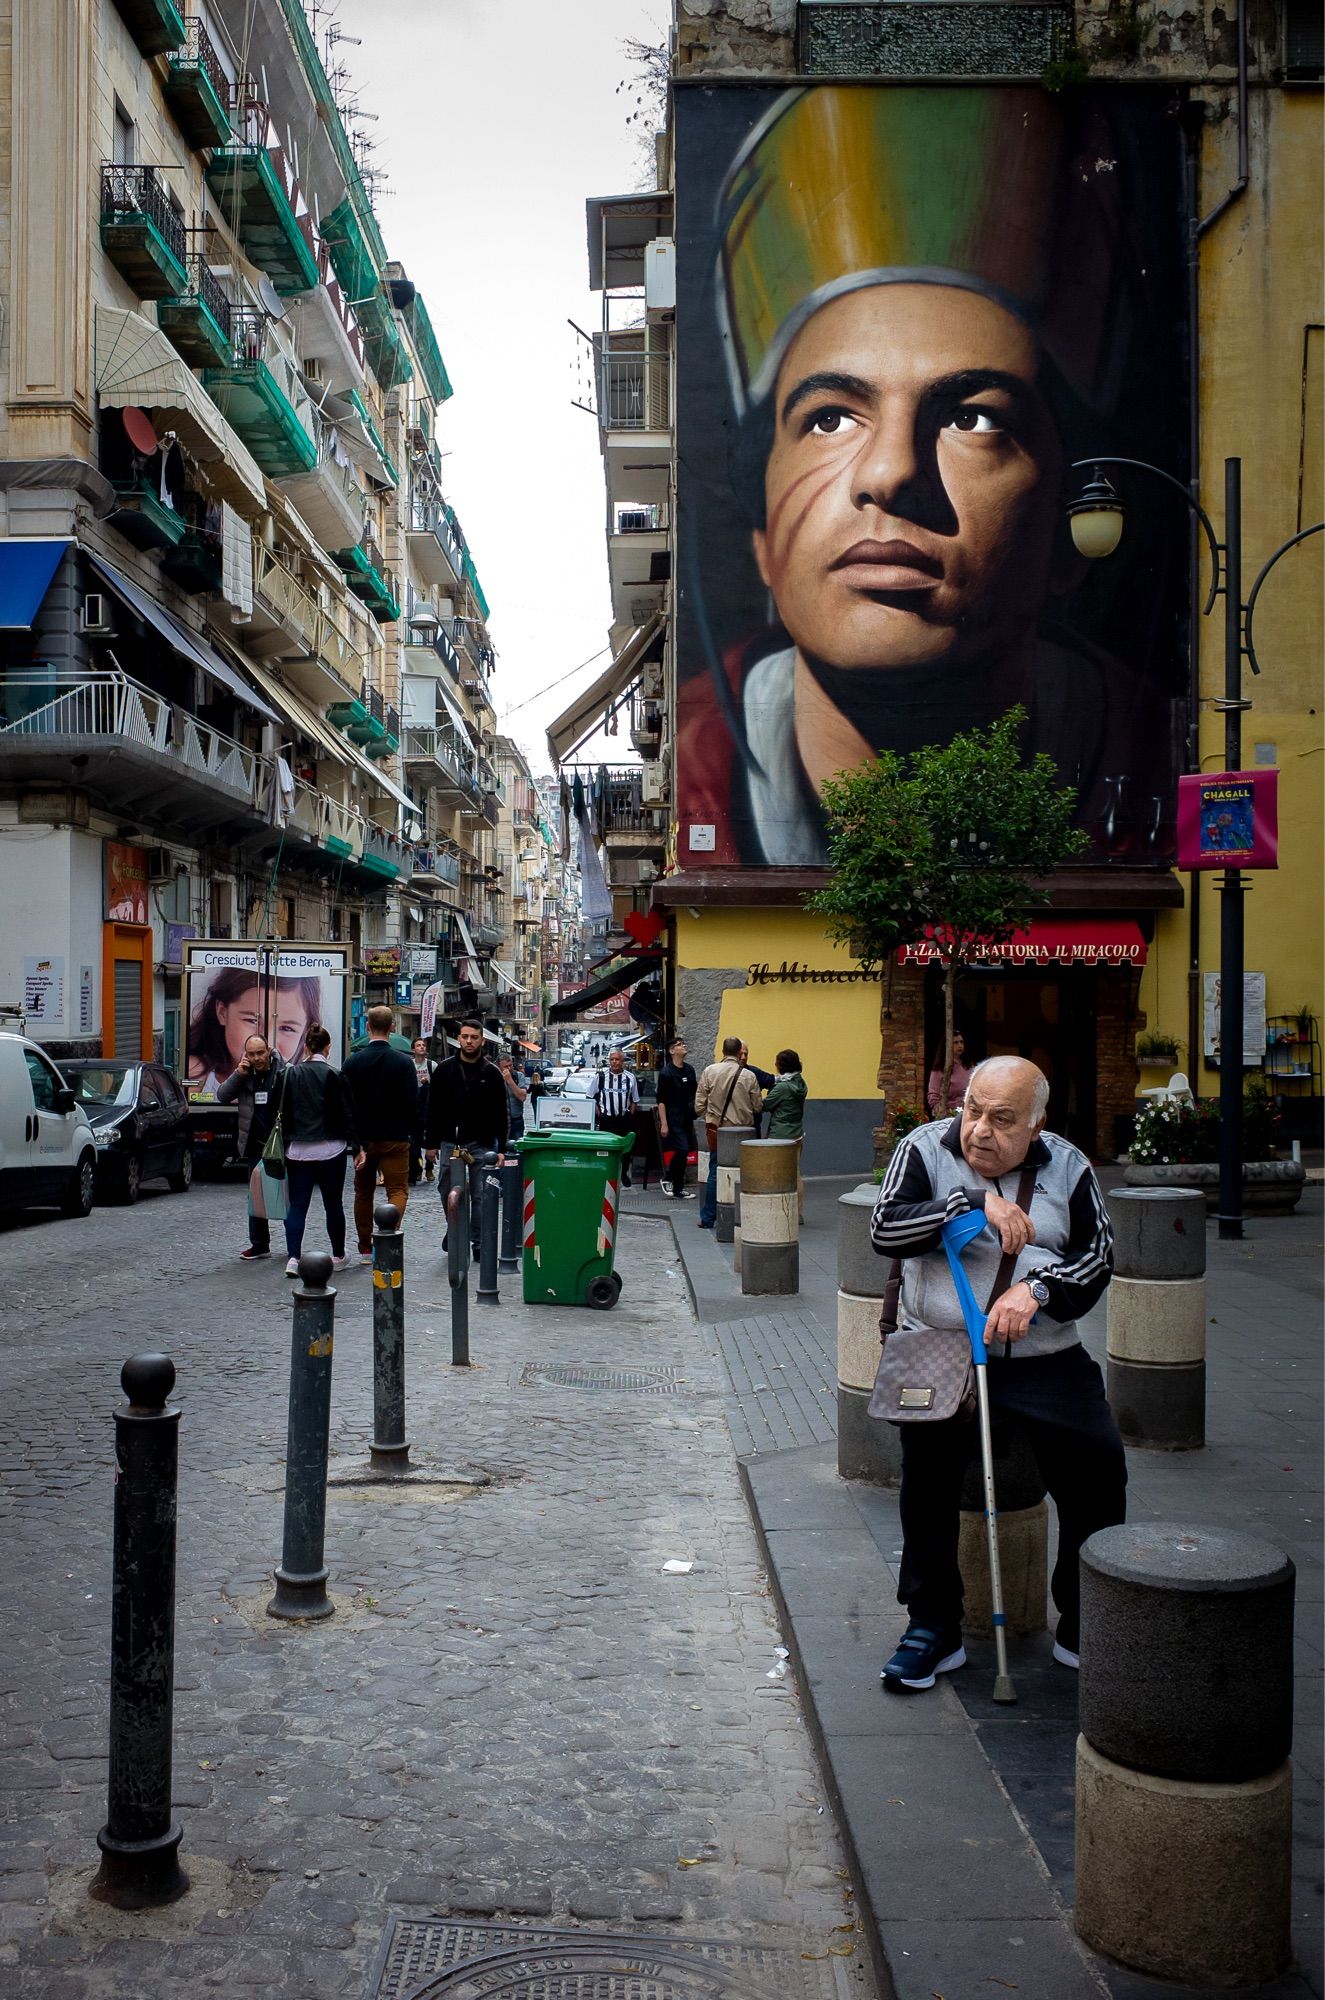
column 595, row 897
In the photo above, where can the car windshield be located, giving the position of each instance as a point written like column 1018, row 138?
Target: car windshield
column 105, row 1083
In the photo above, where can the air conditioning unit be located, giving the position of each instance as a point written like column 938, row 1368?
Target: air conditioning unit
column 160, row 864
column 653, row 784
column 95, row 620
column 651, row 681
column 660, row 278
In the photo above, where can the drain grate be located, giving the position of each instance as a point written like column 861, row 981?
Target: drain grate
column 576, row 1375
column 432, row 1959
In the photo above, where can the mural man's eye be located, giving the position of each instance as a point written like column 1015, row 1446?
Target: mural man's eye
column 978, row 423
column 829, row 423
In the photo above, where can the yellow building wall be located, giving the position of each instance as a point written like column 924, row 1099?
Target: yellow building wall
column 833, row 1028
column 1262, row 345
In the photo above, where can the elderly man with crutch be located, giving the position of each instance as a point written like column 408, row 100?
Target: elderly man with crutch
column 1018, row 1284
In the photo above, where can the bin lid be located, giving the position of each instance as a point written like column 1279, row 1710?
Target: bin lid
column 565, row 1139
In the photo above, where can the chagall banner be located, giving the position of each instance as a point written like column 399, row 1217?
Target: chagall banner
column 1229, row 819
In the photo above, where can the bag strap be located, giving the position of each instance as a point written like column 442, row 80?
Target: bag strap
column 1025, row 1191
column 731, row 1092
column 892, row 1300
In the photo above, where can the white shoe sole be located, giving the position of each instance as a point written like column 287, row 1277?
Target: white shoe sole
column 948, row 1666
column 1065, row 1658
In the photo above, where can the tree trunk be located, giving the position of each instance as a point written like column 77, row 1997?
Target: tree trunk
column 949, row 987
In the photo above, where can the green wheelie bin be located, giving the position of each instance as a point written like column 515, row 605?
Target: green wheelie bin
column 572, row 1191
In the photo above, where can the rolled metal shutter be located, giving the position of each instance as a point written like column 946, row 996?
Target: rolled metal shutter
column 128, row 1008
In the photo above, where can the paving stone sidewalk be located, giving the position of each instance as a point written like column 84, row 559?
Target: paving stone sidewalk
column 514, row 1711
column 999, row 1820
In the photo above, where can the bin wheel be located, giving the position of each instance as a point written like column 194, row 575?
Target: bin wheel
column 616, row 1287
column 602, row 1292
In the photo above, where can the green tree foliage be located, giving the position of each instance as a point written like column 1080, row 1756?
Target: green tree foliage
column 952, row 843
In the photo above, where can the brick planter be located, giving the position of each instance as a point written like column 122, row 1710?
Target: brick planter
column 1269, row 1187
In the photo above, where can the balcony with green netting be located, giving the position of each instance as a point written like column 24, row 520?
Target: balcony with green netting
column 248, row 390
column 157, row 26
column 250, row 193
column 198, row 90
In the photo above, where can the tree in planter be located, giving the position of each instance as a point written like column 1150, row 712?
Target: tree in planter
column 950, row 843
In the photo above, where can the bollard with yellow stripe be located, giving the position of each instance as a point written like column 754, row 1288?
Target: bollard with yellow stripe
column 770, row 1229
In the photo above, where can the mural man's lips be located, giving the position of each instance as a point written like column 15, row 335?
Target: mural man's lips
column 888, row 566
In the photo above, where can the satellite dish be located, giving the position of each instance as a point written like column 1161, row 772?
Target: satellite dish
column 272, row 302
column 139, row 430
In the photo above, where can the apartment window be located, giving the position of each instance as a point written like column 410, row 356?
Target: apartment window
column 221, row 910
column 124, row 149
column 1304, row 41
column 337, row 923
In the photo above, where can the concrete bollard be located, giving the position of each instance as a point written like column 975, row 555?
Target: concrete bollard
column 730, row 1140
column 1156, row 1317
column 512, row 1216
column 1184, row 1790
column 770, row 1231
column 1023, row 1539
column 301, row 1580
column 866, row 1448
column 140, row 1841
column 388, row 1452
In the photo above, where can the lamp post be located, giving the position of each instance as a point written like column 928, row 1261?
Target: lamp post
column 1096, row 518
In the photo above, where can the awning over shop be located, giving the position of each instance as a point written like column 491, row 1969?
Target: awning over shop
column 613, row 982
column 585, row 713
column 26, row 570
column 188, row 644
column 506, row 974
column 1101, row 942
column 136, row 366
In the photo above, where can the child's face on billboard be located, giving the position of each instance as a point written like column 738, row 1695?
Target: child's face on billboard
column 912, row 487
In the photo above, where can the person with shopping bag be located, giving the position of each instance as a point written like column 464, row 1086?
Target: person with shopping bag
column 254, row 1086
column 728, row 1094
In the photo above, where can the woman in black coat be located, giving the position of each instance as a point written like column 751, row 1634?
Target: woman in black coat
column 317, row 1125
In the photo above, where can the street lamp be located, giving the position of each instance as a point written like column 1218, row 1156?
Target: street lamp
column 1096, row 519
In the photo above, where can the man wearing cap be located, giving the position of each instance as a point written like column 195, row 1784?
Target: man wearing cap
column 920, row 296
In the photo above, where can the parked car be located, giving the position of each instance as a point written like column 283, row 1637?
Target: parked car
column 47, row 1149
column 140, row 1120
column 580, row 1083
column 554, row 1078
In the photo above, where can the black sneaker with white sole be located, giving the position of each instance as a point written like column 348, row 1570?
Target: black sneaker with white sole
column 922, row 1655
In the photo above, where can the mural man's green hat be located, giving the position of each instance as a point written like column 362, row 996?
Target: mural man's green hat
column 985, row 189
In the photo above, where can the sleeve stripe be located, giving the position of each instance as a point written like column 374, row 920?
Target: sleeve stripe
column 1094, row 1260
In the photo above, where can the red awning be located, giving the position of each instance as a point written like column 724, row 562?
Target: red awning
column 1108, row 941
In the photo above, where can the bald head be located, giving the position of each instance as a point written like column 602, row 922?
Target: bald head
column 1006, row 1101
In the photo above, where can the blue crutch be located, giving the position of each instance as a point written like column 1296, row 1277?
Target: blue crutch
column 957, row 1233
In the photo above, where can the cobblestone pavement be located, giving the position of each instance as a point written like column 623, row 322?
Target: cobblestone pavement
column 515, row 1710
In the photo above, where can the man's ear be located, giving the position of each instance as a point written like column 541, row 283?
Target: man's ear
column 759, row 543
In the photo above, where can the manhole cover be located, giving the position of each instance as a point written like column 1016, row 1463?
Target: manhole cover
column 573, row 1375
column 430, row 1959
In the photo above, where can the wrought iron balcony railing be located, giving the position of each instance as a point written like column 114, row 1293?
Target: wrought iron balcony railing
column 141, row 191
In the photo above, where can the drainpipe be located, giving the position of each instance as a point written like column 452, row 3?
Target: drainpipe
column 1197, row 228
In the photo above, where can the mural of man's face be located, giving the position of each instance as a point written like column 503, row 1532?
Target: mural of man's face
column 913, row 483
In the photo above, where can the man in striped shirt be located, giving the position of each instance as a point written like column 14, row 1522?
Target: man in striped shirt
column 616, row 1097
column 1061, row 1248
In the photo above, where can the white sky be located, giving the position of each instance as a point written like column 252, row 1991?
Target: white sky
column 495, row 120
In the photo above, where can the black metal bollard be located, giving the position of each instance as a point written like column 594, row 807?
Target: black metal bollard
column 457, row 1258
column 389, row 1451
column 512, row 1211
column 139, row 1842
column 489, row 1223
column 301, row 1580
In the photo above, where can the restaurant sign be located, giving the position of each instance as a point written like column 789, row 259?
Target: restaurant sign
column 1115, row 941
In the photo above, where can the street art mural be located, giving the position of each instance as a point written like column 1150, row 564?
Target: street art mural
column 904, row 311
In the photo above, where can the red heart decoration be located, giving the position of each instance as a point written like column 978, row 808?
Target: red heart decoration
column 645, row 929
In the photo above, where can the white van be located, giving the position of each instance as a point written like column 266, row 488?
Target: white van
column 48, row 1156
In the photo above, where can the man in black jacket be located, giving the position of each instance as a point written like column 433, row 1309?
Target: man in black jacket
column 385, row 1091
column 467, row 1107
column 677, row 1084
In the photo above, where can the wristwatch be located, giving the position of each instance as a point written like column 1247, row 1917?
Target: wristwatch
column 1038, row 1290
